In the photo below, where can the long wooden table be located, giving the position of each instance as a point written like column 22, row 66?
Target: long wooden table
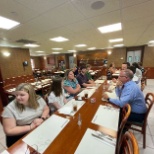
column 69, row 138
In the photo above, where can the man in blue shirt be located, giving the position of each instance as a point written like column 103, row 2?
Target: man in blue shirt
column 129, row 92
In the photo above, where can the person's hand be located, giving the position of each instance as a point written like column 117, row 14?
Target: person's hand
column 32, row 125
column 38, row 121
column 105, row 96
column 114, row 80
column 119, row 83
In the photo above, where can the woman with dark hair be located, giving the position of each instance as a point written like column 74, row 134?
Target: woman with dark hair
column 71, row 84
column 56, row 96
column 110, row 71
column 23, row 114
column 138, row 71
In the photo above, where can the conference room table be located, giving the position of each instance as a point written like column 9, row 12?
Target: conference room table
column 78, row 132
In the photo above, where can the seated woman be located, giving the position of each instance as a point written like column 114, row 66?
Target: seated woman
column 71, row 84
column 23, row 114
column 56, row 96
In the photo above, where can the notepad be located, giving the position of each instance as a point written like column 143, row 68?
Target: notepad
column 43, row 135
column 107, row 116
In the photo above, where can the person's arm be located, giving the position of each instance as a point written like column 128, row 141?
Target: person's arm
column 45, row 113
column 89, row 84
column 91, row 81
column 58, row 106
column 10, row 127
column 70, row 90
column 125, row 98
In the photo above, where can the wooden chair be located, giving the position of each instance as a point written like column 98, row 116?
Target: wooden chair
column 46, row 88
column 149, row 99
column 144, row 77
column 10, row 95
column 125, row 112
column 128, row 144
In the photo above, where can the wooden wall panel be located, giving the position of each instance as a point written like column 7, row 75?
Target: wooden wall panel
column 13, row 64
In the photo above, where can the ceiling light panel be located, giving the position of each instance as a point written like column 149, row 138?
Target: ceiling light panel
column 116, row 40
column 118, row 45
column 6, row 23
column 32, row 45
column 110, row 28
column 81, row 45
column 59, row 39
column 57, row 48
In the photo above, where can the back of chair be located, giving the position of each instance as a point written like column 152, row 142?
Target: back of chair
column 149, row 100
column 128, row 144
column 124, row 116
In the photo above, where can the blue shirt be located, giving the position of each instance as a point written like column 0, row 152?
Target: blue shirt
column 131, row 94
column 70, row 83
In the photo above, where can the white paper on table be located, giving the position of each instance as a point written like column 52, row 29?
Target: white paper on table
column 99, row 81
column 68, row 107
column 65, row 110
column 90, row 92
column 106, row 116
column 43, row 135
column 93, row 145
column 112, row 94
column 5, row 152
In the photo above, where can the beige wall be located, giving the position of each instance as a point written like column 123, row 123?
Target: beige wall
column 148, row 60
column 12, row 65
column 117, row 56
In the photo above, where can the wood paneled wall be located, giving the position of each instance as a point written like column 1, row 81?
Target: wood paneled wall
column 13, row 64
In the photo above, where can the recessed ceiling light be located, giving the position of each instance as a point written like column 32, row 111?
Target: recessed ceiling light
column 92, row 48
column 57, row 48
column 81, row 45
column 116, row 40
column 31, row 45
column 110, row 28
column 6, row 23
column 59, row 39
column 118, row 45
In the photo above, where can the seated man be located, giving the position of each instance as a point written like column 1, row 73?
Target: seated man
column 125, row 65
column 129, row 92
column 88, row 66
column 82, row 78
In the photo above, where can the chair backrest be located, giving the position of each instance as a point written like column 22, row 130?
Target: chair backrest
column 149, row 100
column 128, row 144
column 124, row 116
column 9, row 86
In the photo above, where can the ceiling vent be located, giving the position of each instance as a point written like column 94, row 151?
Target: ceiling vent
column 97, row 5
column 24, row 41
